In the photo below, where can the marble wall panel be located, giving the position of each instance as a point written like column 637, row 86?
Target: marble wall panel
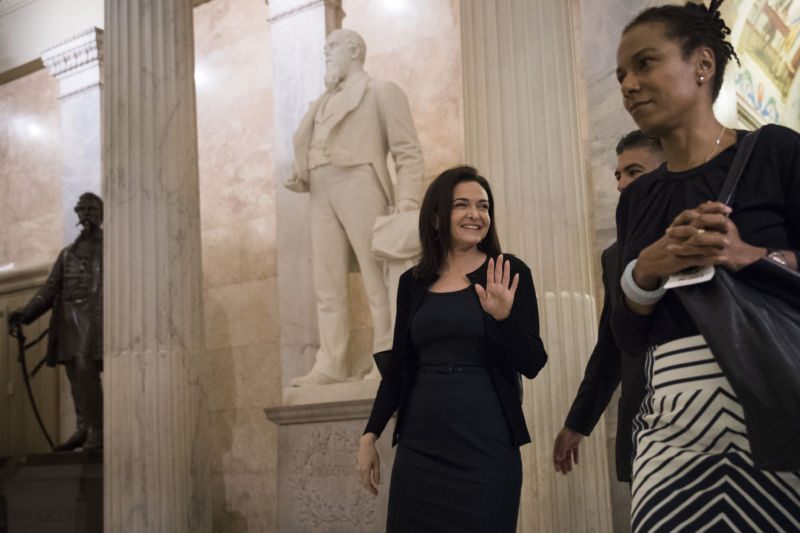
column 31, row 241
column 240, row 251
column 417, row 44
column 237, row 202
column 240, row 434
column 234, row 104
column 241, row 314
column 215, row 20
column 241, row 379
column 30, row 170
column 243, row 471
column 245, row 503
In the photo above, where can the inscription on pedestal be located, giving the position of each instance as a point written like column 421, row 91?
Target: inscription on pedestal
column 323, row 467
column 318, row 487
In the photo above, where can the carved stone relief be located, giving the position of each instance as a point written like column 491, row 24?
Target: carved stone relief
column 323, row 461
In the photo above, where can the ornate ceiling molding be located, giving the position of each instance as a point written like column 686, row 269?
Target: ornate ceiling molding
column 80, row 50
column 76, row 63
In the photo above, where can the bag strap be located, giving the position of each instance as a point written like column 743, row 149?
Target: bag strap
column 746, row 146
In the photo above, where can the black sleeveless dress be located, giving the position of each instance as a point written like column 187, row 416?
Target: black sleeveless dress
column 456, row 467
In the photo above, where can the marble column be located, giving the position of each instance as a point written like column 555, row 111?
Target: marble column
column 524, row 131
column 298, row 29
column 156, row 434
column 77, row 64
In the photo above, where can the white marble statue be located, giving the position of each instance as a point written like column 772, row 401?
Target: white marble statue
column 340, row 150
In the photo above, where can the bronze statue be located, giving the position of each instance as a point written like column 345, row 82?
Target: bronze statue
column 74, row 291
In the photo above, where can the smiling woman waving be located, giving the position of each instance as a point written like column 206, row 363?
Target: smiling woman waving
column 467, row 326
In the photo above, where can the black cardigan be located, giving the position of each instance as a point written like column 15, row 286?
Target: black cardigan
column 514, row 346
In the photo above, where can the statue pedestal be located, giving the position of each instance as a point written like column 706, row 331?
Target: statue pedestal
column 334, row 392
column 54, row 493
column 318, row 487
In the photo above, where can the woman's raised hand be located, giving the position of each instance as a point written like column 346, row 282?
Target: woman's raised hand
column 369, row 464
column 498, row 296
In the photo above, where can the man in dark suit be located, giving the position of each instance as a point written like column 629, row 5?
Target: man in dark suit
column 637, row 154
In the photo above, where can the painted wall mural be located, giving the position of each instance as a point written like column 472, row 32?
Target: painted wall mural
column 767, row 40
column 754, row 94
column 770, row 38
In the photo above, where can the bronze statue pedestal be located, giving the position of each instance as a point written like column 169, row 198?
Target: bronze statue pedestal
column 55, row 493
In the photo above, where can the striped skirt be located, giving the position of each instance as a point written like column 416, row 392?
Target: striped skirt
column 692, row 468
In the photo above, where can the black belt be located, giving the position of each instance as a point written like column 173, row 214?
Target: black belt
column 451, row 369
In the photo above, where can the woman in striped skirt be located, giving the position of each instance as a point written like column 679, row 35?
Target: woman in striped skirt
column 692, row 467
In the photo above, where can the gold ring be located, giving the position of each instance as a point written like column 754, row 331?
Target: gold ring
column 700, row 231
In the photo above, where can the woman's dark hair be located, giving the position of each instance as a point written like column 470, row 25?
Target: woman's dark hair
column 694, row 25
column 434, row 220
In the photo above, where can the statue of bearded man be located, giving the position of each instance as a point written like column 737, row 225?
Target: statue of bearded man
column 340, row 149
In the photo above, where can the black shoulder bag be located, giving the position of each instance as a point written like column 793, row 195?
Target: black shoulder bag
column 751, row 321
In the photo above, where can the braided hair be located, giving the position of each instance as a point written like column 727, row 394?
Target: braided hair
column 694, row 25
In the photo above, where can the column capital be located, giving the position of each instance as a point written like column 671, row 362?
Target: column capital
column 76, row 61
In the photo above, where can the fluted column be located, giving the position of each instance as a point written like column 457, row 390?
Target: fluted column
column 77, row 64
column 523, row 131
column 156, row 468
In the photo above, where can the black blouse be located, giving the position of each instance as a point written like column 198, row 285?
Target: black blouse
column 766, row 211
column 447, row 329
